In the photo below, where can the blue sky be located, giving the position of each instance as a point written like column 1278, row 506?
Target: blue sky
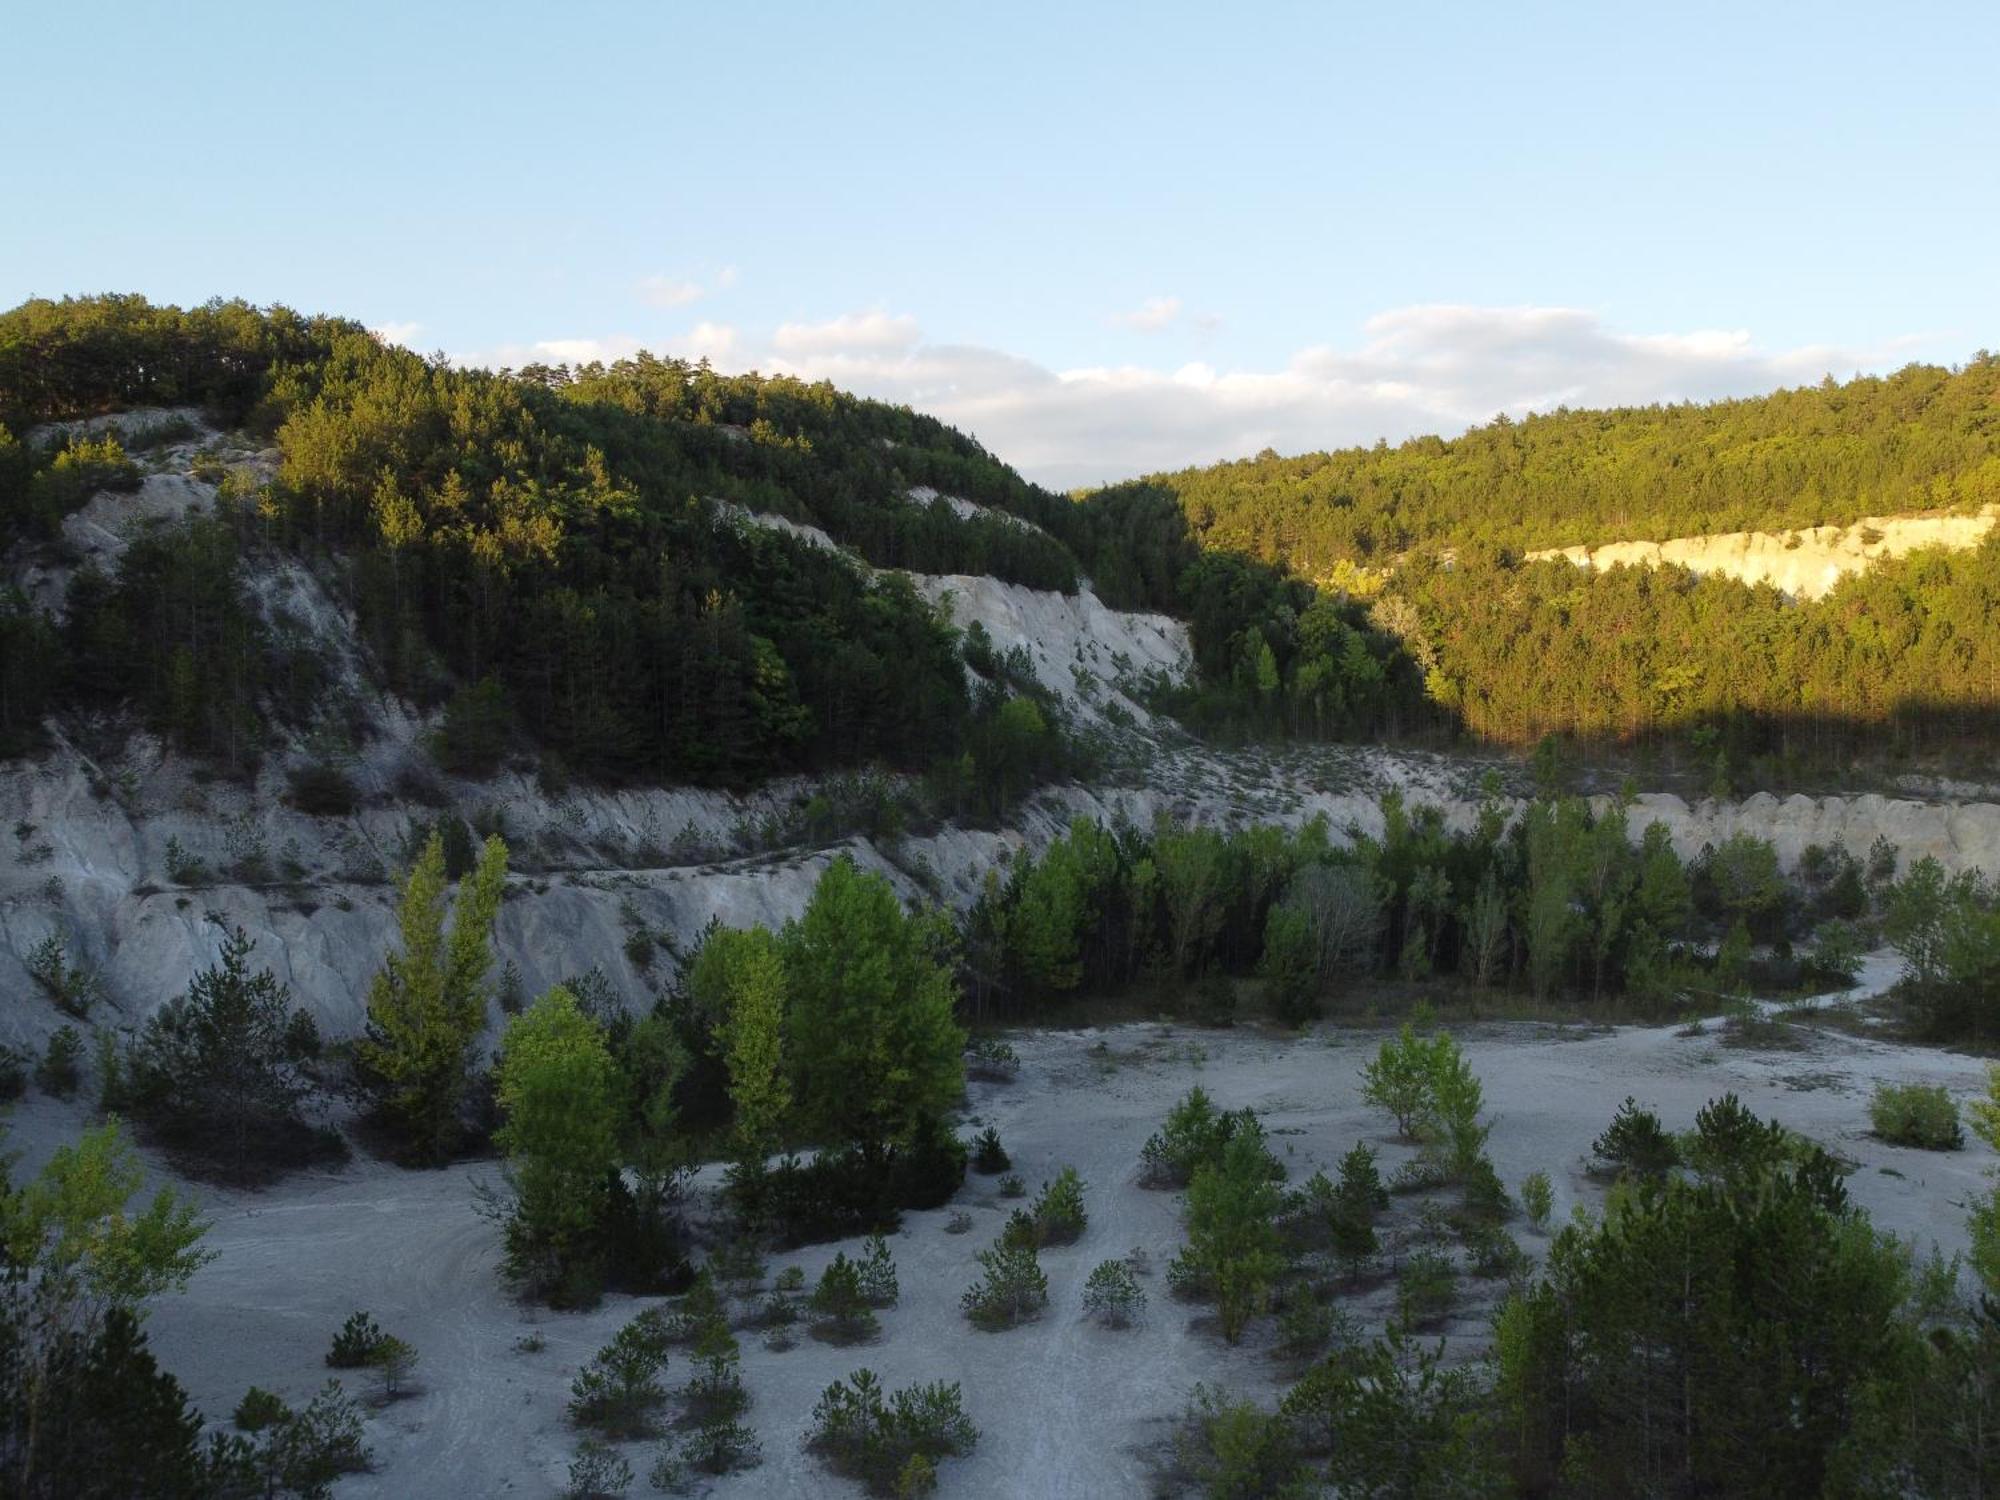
column 1102, row 237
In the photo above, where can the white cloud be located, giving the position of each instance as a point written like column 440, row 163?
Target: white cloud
column 867, row 332
column 1424, row 369
column 1150, row 316
column 678, row 291
column 667, row 291
column 398, row 333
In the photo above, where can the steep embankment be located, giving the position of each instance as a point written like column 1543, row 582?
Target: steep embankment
column 1807, row 564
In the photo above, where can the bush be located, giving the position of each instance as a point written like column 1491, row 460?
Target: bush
column 1427, row 1290
column 1058, row 1212
column 715, row 1394
column 619, row 1393
column 61, row 1069
column 875, row 1440
column 1731, row 1143
column 841, row 1314
column 719, row 1446
column 356, row 1345
column 75, row 987
column 877, row 1273
column 301, row 1452
column 1235, row 1448
column 1112, row 1295
column 988, row 1155
column 322, row 791
column 1915, row 1114
column 1015, row 1288
column 395, row 1361
column 1011, row 1186
column 1538, row 1198
column 991, row 1059
column 1195, row 1133
column 1635, row 1142
column 13, row 1074
column 597, row 1472
column 258, row 1410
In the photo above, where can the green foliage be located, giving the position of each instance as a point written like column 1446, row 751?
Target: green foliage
column 74, row 986
column 1233, row 1249
column 1915, row 1114
column 1013, row 1290
column 1112, row 1295
column 1234, row 1450
column 1392, row 1419
column 1426, row 1289
column 1787, row 1301
column 61, row 1069
column 739, row 975
column 597, row 1471
column 988, row 1155
column 427, row 1006
column 841, row 1306
column 874, row 1050
column 618, row 1394
column 558, row 1093
column 1195, row 1133
column 357, row 1344
column 877, row 1439
column 877, row 1271
column 1636, row 1142
column 1538, row 1198
column 219, row 1073
column 1058, row 1211
column 473, row 735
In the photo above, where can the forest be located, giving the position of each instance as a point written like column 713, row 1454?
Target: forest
column 549, row 556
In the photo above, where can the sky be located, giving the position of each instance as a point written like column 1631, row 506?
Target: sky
column 1105, row 239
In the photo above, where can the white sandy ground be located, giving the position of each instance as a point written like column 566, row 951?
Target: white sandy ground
column 1064, row 1408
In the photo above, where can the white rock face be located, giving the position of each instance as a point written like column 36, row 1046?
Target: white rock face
column 1806, row 564
column 1089, row 654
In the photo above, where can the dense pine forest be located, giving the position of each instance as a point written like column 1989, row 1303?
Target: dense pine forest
column 1924, row 437
column 553, row 556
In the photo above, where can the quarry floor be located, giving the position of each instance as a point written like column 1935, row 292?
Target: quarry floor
column 1064, row 1408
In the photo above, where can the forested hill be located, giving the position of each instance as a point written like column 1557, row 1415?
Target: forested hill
column 538, row 549
column 1924, row 437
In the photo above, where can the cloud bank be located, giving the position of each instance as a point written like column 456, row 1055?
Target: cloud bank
column 1424, row 369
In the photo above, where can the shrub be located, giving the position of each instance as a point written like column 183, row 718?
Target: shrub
column 791, row 1279
column 991, row 1059
column 960, row 1222
column 988, row 1155
column 473, row 735
column 394, row 1362
column 1058, row 1213
column 1730, row 1142
column 597, row 1472
column 1233, row 1250
column 75, row 987
column 61, row 1069
column 714, row 1393
column 357, row 1343
column 1538, row 1198
column 302, row 1452
column 322, row 791
column 619, row 1392
column 1427, row 1290
column 1915, row 1114
column 719, row 1446
column 1112, row 1295
column 877, row 1273
column 1014, row 1290
column 1398, row 1080
column 217, row 1074
column 13, row 1074
column 258, row 1409
column 1235, row 1448
column 1635, row 1142
column 866, row 1437
column 1011, row 1186
column 1194, row 1133
column 841, row 1314
column 1306, row 1325
column 1486, row 1197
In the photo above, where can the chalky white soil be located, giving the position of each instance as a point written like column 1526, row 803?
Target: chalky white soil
column 1064, row 1408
